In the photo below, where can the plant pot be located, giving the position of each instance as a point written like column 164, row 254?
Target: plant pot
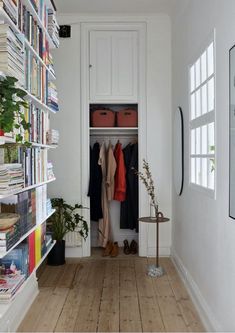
column 1, row 132
column 56, row 257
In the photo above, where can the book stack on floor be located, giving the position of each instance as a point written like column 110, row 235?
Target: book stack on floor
column 11, row 53
column 52, row 137
column 53, row 27
column 11, row 178
column 10, row 7
column 52, row 100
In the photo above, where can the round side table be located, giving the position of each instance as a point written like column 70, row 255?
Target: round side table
column 155, row 270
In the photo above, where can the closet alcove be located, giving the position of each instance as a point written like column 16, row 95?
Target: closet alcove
column 113, row 78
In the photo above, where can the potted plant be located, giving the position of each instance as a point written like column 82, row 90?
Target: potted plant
column 11, row 104
column 65, row 219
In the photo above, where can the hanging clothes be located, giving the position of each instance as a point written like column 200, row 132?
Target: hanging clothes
column 95, row 184
column 111, row 169
column 104, row 223
column 130, row 207
column 120, row 176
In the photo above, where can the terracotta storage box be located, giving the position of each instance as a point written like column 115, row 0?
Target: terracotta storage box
column 103, row 118
column 127, row 118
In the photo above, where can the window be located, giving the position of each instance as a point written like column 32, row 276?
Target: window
column 202, row 121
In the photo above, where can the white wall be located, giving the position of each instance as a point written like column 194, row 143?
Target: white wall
column 203, row 234
column 68, row 157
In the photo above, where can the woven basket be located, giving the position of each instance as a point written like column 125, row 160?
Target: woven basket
column 7, row 220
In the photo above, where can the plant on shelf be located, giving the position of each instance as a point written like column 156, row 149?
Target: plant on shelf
column 65, row 219
column 11, row 105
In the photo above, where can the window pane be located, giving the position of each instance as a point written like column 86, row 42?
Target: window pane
column 198, row 73
column 203, row 67
column 211, row 173
column 198, row 171
column 211, row 138
column 204, row 99
column 204, row 139
column 211, row 95
column 193, row 106
column 193, row 141
column 198, row 140
column 193, row 161
column 204, row 172
column 210, row 59
column 192, row 78
column 198, row 103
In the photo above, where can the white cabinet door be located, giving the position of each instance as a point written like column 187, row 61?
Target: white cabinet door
column 113, row 66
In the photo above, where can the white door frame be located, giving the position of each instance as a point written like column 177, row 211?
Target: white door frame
column 142, row 119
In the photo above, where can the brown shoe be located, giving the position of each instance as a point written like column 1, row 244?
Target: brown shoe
column 108, row 249
column 115, row 250
column 133, row 247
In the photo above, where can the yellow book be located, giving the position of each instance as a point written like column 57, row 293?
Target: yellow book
column 38, row 251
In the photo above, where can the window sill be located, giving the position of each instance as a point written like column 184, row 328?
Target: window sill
column 207, row 191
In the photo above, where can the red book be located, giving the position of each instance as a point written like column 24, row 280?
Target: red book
column 31, row 252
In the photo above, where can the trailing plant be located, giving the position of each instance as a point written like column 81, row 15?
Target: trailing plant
column 11, row 104
column 65, row 219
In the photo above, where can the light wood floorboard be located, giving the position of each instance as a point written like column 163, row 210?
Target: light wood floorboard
column 111, row 295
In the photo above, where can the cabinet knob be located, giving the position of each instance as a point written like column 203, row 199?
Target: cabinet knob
column 90, row 66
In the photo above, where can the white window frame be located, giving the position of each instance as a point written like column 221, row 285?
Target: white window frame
column 205, row 119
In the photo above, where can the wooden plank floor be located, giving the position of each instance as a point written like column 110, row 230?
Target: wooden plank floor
column 111, row 295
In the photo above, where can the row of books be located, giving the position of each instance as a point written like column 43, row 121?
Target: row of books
column 52, row 100
column 10, row 7
column 11, row 53
column 53, row 27
column 31, row 207
column 40, row 124
column 34, row 161
column 11, row 178
column 19, row 263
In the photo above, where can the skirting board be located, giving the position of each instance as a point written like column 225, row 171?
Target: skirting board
column 207, row 317
column 20, row 306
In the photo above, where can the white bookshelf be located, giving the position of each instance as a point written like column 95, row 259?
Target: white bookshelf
column 29, row 288
column 4, row 253
column 4, row 307
column 27, row 188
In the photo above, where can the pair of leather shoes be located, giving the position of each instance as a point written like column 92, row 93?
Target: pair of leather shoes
column 130, row 249
column 111, row 249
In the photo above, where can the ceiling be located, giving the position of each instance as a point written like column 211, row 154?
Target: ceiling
column 117, row 6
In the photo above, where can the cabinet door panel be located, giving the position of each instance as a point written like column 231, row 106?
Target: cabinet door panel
column 100, row 65
column 114, row 66
column 124, row 65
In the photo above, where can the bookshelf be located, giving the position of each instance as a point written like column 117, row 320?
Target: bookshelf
column 31, row 28
column 4, row 253
column 27, row 188
column 5, row 307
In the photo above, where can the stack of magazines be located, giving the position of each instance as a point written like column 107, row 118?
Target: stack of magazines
column 11, row 53
column 9, row 285
column 11, row 178
column 52, row 101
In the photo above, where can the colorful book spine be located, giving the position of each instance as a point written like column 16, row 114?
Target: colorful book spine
column 32, row 255
column 38, row 245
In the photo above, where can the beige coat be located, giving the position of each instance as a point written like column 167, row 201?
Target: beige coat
column 111, row 169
